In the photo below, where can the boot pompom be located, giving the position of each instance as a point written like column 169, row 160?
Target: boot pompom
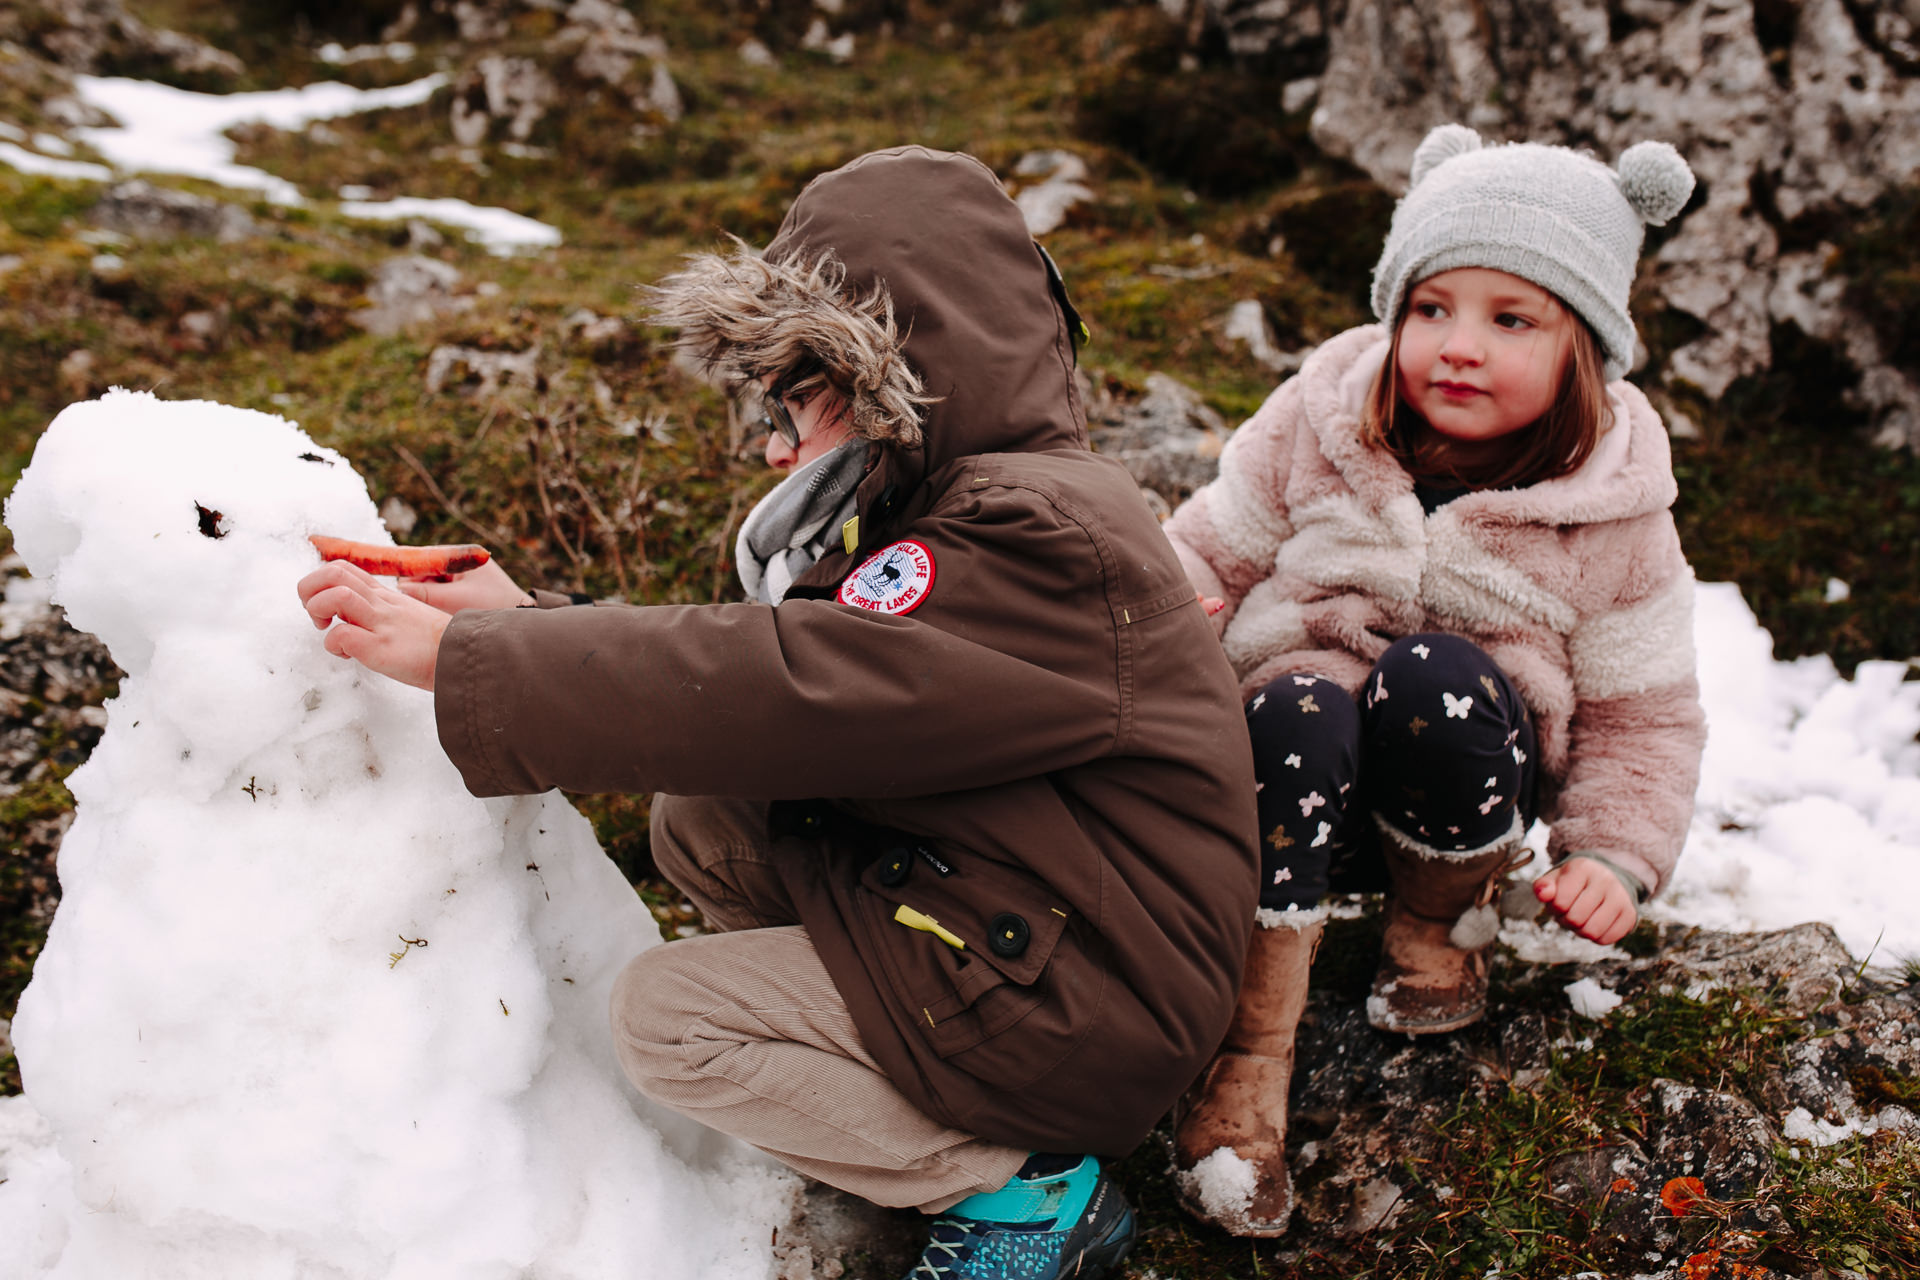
column 1476, row 927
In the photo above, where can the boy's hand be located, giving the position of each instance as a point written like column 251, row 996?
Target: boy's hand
column 374, row 624
column 1589, row 899
column 487, row 587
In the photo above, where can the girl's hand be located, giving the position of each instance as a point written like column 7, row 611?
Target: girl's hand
column 1212, row 606
column 379, row 627
column 1589, row 899
column 487, row 587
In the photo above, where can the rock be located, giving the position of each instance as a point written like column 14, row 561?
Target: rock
column 498, row 88
column 481, row 22
column 756, row 54
column 487, row 370
column 1792, row 116
column 203, row 330
column 1247, row 323
column 140, row 209
column 605, row 337
column 1169, row 440
column 409, row 291
column 834, row 1234
column 53, row 681
column 816, row 40
column 89, row 36
column 607, row 44
column 77, row 374
column 398, row 516
column 1062, row 185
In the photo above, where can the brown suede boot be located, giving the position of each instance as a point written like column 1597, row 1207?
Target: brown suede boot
column 1230, row 1143
column 1440, row 930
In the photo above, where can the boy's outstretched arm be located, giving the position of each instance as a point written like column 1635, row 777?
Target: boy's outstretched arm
column 1589, row 898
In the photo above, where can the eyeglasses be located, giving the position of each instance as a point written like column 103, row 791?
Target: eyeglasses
column 776, row 418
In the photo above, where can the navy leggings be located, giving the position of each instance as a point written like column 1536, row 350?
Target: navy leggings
column 1439, row 744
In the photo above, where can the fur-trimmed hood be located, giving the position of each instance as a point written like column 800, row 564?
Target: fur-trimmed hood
column 744, row 316
column 909, row 276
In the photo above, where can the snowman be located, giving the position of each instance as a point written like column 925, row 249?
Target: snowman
column 307, row 1008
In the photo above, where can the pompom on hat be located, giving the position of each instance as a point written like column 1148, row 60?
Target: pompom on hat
column 1547, row 214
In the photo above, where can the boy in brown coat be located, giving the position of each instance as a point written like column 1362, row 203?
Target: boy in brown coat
column 972, row 807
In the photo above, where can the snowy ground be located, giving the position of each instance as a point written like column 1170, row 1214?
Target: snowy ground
column 160, row 129
column 1809, row 802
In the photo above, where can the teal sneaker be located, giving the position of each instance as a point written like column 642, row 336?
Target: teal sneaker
column 1074, row 1223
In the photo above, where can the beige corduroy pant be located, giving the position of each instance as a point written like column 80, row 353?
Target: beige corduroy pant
column 744, row 1030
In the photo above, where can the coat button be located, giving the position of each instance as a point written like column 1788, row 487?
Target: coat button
column 1007, row 935
column 895, row 866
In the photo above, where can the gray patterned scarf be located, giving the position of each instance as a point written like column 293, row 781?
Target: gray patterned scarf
column 795, row 524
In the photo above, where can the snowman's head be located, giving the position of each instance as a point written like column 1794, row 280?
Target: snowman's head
column 156, row 517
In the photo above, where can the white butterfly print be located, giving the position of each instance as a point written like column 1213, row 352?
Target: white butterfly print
column 1490, row 802
column 1293, row 761
column 1311, row 801
column 1326, row 829
column 1259, row 700
column 1492, row 783
column 1420, row 651
column 1457, row 708
column 1306, row 680
column 1283, row 875
column 1519, row 756
column 1379, row 689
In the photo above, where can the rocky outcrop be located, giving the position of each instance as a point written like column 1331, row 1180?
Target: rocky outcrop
column 409, row 291
column 1795, row 117
column 138, row 208
column 503, row 97
column 1169, row 439
column 52, row 682
column 92, row 36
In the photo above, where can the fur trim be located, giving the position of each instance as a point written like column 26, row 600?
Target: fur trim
column 744, row 317
column 1294, row 918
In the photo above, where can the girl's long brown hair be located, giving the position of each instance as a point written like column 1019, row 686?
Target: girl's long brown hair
column 1554, row 446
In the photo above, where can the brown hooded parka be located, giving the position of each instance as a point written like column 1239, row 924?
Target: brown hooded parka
column 1044, row 753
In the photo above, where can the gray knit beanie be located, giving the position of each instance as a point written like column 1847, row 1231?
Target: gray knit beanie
column 1547, row 214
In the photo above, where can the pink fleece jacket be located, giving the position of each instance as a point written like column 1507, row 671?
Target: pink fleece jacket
column 1576, row 587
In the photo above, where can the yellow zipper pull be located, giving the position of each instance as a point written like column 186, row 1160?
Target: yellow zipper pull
column 927, row 924
column 850, row 535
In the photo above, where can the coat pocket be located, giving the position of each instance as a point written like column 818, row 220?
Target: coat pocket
column 967, row 940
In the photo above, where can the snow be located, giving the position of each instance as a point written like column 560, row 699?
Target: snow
column 1809, row 800
column 51, row 167
column 308, row 1008
column 1222, row 1183
column 1591, row 1000
column 500, row 230
column 166, row 130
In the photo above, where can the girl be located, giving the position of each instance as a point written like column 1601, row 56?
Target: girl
column 1455, row 600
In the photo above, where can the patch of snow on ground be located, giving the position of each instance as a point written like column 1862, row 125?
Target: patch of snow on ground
column 501, row 231
column 168, row 130
column 1222, row 1184
column 1591, row 1000
column 1809, row 800
column 51, row 167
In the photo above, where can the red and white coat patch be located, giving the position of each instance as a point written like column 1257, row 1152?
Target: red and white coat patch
column 893, row 580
